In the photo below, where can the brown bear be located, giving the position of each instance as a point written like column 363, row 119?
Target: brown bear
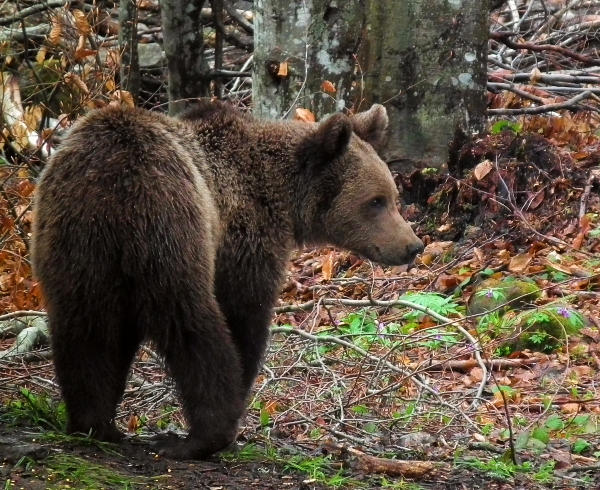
column 178, row 231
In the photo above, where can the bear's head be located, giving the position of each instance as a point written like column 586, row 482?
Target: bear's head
column 353, row 197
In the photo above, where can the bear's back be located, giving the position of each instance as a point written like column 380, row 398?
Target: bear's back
column 125, row 185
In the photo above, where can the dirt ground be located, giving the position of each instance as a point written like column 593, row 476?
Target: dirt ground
column 34, row 461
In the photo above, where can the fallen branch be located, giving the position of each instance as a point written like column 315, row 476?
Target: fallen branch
column 503, row 37
column 593, row 177
column 569, row 104
column 467, row 364
column 237, row 16
column 357, row 460
column 34, row 9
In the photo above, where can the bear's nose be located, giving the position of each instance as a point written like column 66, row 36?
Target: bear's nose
column 415, row 248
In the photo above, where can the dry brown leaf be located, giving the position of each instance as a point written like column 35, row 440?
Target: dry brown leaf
column 535, row 76
column 482, row 169
column 519, row 263
column 580, row 155
column 578, row 241
column 133, row 423
column 83, row 53
column 569, row 408
column 446, row 283
column 438, row 248
column 327, row 268
column 110, row 84
column 73, row 79
column 329, row 87
column 271, row 407
column 476, row 374
column 282, row 71
column 32, row 117
column 304, row 115
column 123, row 97
column 81, row 22
column 41, row 55
column 56, row 31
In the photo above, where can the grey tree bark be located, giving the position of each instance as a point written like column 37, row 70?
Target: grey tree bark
column 299, row 45
column 426, row 61
column 183, row 42
column 130, row 66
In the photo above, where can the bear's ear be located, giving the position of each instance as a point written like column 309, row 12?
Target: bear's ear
column 333, row 136
column 370, row 125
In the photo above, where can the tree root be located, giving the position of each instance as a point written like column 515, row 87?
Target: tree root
column 31, row 332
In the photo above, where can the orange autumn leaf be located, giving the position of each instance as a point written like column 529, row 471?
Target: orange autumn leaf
column 304, row 115
column 328, row 87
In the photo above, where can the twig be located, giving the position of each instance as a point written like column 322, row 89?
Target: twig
column 417, row 379
column 21, row 313
column 594, row 174
column 237, row 17
column 503, row 37
column 510, row 87
column 34, row 9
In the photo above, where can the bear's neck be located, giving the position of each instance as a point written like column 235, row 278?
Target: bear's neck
column 254, row 168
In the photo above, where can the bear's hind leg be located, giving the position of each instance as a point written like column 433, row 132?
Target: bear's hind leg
column 92, row 360
column 200, row 356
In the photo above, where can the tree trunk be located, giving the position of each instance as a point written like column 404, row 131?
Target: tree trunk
column 183, row 43
column 130, row 66
column 299, row 46
column 426, row 61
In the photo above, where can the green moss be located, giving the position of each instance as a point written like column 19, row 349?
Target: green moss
column 506, row 293
column 544, row 329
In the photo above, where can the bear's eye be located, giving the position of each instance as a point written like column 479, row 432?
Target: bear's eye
column 377, row 203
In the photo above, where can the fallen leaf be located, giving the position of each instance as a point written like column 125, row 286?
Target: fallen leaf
column 438, row 248
column 519, row 263
column 535, row 76
column 81, row 22
column 327, row 268
column 445, row 283
column 569, row 408
column 304, row 115
column 476, row 374
column 482, row 169
column 536, row 198
column 329, row 87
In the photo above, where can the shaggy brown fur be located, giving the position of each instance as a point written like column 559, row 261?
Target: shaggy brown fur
column 179, row 231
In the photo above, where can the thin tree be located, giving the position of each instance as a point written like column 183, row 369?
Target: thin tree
column 183, row 43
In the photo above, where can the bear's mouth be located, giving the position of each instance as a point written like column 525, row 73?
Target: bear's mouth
column 376, row 255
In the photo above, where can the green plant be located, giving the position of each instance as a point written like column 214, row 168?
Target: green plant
column 580, row 446
column 318, row 469
column 36, row 409
column 442, row 305
column 504, row 125
column 499, row 468
column 546, row 472
column 68, row 471
column 166, row 416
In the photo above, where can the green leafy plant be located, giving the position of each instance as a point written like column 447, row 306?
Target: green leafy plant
column 546, row 472
column 505, row 125
column 580, row 446
column 442, row 305
column 38, row 410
